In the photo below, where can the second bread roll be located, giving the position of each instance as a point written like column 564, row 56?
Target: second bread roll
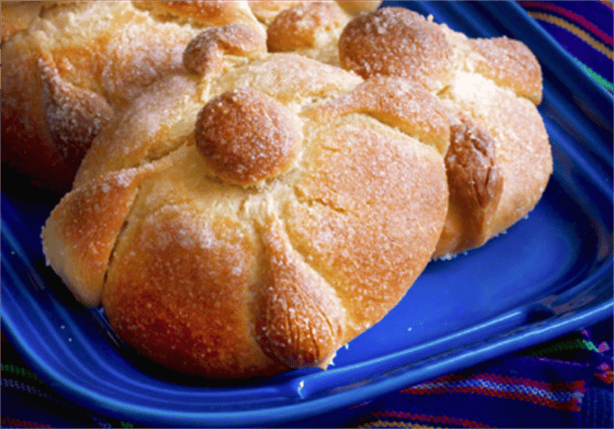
column 499, row 161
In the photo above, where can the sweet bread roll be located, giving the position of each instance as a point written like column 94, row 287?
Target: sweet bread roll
column 76, row 65
column 246, row 222
column 499, row 160
column 69, row 67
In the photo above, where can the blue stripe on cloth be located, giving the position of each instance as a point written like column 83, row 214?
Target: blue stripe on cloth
column 597, row 409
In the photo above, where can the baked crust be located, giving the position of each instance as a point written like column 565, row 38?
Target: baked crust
column 475, row 184
column 267, row 11
column 179, row 291
column 522, row 154
column 230, row 276
column 17, row 16
column 69, row 67
column 313, row 28
column 81, row 233
column 57, row 111
column 510, row 64
column 202, row 13
column 246, row 136
column 499, row 161
column 398, row 103
column 397, row 42
column 63, row 80
column 298, row 27
column 204, row 53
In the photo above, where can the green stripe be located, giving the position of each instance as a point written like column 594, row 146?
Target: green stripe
column 607, row 85
column 566, row 345
column 20, row 371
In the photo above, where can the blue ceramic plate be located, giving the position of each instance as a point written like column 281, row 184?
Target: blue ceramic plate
column 548, row 275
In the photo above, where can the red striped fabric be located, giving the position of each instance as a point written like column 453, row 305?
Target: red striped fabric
column 563, row 396
column 428, row 418
column 571, row 16
column 12, row 422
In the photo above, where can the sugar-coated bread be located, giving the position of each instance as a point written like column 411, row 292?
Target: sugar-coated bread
column 256, row 184
column 313, row 28
column 69, row 67
column 17, row 16
column 246, row 219
column 267, row 11
column 499, row 160
column 72, row 68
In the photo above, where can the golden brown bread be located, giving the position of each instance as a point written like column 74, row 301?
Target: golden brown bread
column 69, row 67
column 246, row 136
column 92, row 217
column 245, row 213
column 397, row 42
column 17, row 16
column 258, row 216
column 313, row 28
column 267, row 11
column 499, row 160
column 66, row 75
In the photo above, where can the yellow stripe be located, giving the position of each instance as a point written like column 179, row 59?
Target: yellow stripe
column 396, row 424
column 574, row 30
